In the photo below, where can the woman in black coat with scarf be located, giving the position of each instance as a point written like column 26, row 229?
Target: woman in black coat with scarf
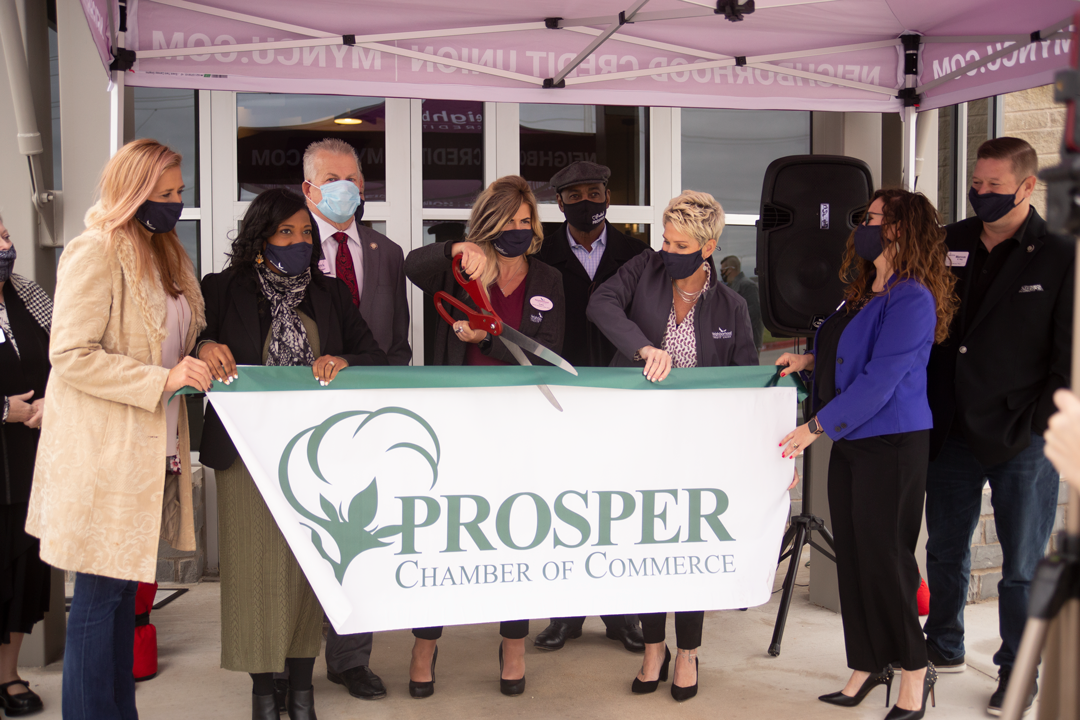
column 271, row 306
column 25, row 320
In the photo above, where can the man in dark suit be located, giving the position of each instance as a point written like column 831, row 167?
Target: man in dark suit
column 372, row 266
column 731, row 273
column 587, row 250
column 990, row 386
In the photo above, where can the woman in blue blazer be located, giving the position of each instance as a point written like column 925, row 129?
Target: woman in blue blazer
column 869, row 391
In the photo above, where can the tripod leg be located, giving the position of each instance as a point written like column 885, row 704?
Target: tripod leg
column 789, row 535
column 827, row 537
column 789, row 588
column 1023, row 675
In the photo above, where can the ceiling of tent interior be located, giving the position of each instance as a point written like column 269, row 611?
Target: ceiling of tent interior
column 781, row 54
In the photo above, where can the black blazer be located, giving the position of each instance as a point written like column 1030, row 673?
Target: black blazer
column 233, row 306
column 632, row 309
column 998, row 372
column 584, row 345
column 19, row 373
column 430, row 269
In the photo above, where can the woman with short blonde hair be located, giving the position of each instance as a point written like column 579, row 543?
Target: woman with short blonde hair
column 113, row 471
column 665, row 310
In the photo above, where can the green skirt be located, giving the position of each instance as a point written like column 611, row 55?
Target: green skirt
column 268, row 610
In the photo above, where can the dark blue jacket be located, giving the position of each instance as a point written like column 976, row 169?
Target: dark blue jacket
column 881, row 366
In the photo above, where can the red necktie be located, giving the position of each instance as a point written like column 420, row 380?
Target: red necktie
column 344, row 266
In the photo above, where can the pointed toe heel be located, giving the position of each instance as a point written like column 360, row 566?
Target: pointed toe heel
column 644, row 687
column 509, row 687
column 885, row 677
column 685, row 693
column 420, row 690
column 898, row 713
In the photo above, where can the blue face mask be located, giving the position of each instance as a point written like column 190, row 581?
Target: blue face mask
column 868, row 242
column 513, row 243
column 291, row 260
column 681, row 266
column 340, row 201
column 159, row 217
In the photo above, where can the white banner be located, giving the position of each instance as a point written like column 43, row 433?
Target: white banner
column 432, row 506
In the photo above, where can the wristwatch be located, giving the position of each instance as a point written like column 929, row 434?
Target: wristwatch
column 814, row 426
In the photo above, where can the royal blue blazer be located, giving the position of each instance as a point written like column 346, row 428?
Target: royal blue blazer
column 881, row 366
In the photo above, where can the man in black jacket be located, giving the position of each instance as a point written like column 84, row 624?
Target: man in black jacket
column 587, row 250
column 731, row 273
column 990, row 386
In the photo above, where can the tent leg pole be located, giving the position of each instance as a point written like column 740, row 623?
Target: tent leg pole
column 909, row 148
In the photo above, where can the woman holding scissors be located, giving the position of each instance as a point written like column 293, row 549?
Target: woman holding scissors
column 869, row 371
column 504, row 230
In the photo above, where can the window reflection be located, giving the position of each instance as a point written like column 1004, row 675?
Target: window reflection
column 188, row 233
column 452, row 152
column 725, row 152
column 274, row 130
column 171, row 116
column 553, row 136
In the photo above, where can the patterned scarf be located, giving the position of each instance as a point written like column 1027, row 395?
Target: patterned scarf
column 35, row 299
column 288, row 338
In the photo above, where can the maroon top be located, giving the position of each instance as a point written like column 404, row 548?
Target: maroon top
column 509, row 308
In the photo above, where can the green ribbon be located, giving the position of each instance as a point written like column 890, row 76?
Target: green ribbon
column 294, row 379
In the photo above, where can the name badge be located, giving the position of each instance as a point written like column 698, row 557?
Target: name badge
column 957, row 259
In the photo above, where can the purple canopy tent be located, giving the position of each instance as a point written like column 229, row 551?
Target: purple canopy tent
column 838, row 55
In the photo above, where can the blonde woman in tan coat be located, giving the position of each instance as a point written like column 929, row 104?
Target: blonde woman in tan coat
column 113, row 469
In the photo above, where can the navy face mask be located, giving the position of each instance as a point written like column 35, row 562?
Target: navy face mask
column 159, row 217
column 291, row 260
column 7, row 262
column 679, row 266
column 868, row 242
column 585, row 215
column 991, row 207
column 513, row 243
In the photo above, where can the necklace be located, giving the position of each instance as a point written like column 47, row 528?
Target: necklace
column 689, row 298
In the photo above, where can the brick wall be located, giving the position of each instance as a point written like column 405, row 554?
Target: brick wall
column 1034, row 116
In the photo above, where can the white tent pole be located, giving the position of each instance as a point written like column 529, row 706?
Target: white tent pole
column 619, row 20
column 230, row 15
column 911, row 57
column 1026, row 40
column 116, row 85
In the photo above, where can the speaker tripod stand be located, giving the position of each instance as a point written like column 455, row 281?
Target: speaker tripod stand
column 799, row 534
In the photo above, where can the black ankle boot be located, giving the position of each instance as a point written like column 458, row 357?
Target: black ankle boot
column 302, row 704
column 264, row 707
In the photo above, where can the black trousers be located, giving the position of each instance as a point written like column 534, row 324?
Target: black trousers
column 613, row 622
column 687, row 628
column 509, row 629
column 876, row 491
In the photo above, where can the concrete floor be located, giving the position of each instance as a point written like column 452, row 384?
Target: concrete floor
column 589, row 678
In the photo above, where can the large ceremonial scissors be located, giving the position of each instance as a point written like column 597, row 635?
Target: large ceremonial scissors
column 485, row 319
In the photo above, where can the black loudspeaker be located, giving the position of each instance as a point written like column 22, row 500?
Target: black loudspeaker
column 809, row 206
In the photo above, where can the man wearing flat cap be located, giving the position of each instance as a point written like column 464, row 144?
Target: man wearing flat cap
column 587, row 250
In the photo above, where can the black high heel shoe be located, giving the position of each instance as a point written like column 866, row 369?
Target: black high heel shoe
column 425, row 689
column 509, row 687
column 643, row 687
column 898, row 713
column 685, row 693
column 885, row 677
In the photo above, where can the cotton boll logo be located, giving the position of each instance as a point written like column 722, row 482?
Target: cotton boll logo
column 339, row 507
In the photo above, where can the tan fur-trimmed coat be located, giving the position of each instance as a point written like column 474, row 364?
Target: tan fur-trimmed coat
column 99, row 481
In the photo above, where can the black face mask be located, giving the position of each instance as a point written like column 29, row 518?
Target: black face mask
column 513, row 243
column 868, row 242
column 991, row 207
column 291, row 260
column 7, row 262
column 159, row 217
column 585, row 215
column 679, row 266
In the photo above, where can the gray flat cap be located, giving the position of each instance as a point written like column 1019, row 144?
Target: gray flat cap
column 582, row 172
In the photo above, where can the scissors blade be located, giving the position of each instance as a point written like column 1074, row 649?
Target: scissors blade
column 527, row 343
column 520, row 356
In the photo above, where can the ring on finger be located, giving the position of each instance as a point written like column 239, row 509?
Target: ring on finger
column 795, row 446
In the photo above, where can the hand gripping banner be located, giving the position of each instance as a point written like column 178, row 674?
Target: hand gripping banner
column 415, row 497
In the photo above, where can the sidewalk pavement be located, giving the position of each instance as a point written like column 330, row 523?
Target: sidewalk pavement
column 589, row 678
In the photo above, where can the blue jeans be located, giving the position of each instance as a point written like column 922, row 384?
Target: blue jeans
column 98, row 681
column 1023, row 492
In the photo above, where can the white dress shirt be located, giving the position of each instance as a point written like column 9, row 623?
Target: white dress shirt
column 330, row 249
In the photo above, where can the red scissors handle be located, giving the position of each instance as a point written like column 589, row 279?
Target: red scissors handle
column 485, row 319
